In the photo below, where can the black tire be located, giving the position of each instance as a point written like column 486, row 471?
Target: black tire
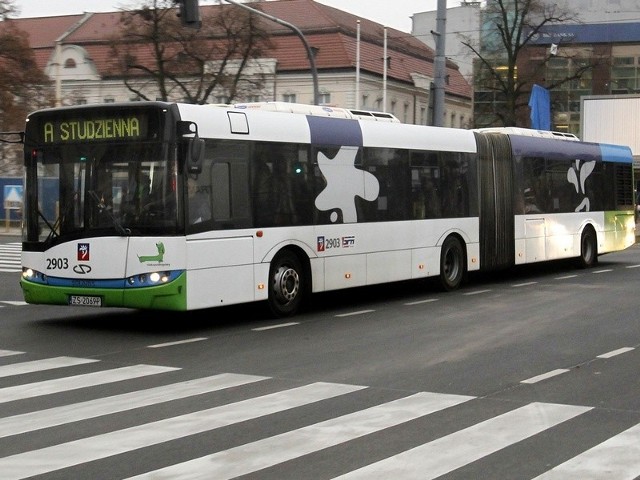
column 452, row 264
column 287, row 284
column 588, row 248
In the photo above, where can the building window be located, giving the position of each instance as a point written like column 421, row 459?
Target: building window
column 70, row 63
column 365, row 98
column 289, row 97
column 565, row 98
column 625, row 75
column 324, row 98
column 81, row 101
column 109, row 100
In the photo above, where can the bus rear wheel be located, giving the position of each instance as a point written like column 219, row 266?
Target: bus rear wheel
column 286, row 284
column 452, row 264
column 588, row 248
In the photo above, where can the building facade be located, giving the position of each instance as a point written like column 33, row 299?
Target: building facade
column 604, row 35
column 75, row 52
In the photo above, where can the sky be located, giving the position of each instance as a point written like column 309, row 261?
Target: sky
column 391, row 13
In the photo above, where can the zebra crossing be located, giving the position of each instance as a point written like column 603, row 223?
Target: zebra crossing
column 31, row 405
column 10, row 257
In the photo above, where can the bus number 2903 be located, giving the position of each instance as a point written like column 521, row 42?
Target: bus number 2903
column 57, row 263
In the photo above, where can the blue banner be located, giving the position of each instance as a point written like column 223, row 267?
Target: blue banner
column 540, row 103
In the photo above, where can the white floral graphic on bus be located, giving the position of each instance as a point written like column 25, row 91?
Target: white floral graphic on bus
column 577, row 175
column 344, row 183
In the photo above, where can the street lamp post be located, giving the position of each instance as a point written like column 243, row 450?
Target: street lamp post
column 310, row 52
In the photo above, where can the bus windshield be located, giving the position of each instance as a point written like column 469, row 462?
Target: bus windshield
column 87, row 189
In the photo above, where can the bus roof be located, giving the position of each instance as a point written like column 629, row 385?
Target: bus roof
column 529, row 132
column 318, row 110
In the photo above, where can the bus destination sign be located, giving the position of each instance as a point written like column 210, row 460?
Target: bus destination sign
column 129, row 127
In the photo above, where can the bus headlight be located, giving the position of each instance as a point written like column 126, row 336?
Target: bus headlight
column 150, row 279
column 33, row 275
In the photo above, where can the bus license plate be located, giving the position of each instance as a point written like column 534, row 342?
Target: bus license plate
column 85, row 301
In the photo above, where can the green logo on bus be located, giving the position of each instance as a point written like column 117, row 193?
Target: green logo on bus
column 153, row 258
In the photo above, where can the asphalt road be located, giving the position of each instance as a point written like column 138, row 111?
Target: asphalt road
column 531, row 373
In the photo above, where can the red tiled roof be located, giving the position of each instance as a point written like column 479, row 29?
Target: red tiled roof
column 43, row 31
column 330, row 30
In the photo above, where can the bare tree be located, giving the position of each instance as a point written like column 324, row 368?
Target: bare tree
column 159, row 58
column 21, row 86
column 505, row 69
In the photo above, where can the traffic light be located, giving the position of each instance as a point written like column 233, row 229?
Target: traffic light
column 189, row 13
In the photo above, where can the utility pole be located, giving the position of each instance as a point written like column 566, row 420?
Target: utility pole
column 440, row 65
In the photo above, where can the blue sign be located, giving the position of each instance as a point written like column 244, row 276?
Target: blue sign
column 13, row 197
column 571, row 33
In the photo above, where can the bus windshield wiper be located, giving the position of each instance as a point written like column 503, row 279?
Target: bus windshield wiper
column 52, row 228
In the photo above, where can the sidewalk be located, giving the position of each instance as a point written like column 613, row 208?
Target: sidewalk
column 11, row 232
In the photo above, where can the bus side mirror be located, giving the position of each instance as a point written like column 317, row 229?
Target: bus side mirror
column 195, row 155
column 193, row 146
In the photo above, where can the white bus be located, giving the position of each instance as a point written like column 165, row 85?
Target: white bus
column 297, row 200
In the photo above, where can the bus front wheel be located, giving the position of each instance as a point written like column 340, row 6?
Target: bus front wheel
column 286, row 284
column 588, row 248
column 452, row 264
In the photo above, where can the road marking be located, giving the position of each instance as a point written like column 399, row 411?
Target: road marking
column 525, row 284
column 354, row 313
column 14, row 302
column 265, row 453
column 617, row 458
column 56, row 457
column 564, row 277
column 178, row 342
column 40, row 365
column 47, row 387
column 271, row 327
column 7, row 353
column 633, row 266
column 28, row 422
column 429, row 300
column 613, row 353
column 544, row 376
column 603, row 271
column 477, row 292
column 453, row 451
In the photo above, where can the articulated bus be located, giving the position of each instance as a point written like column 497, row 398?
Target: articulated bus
column 298, row 199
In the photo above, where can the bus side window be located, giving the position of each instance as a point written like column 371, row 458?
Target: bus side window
column 425, row 194
column 199, row 201
column 263, row 189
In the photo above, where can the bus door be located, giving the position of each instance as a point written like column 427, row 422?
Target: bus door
column 217, row 205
